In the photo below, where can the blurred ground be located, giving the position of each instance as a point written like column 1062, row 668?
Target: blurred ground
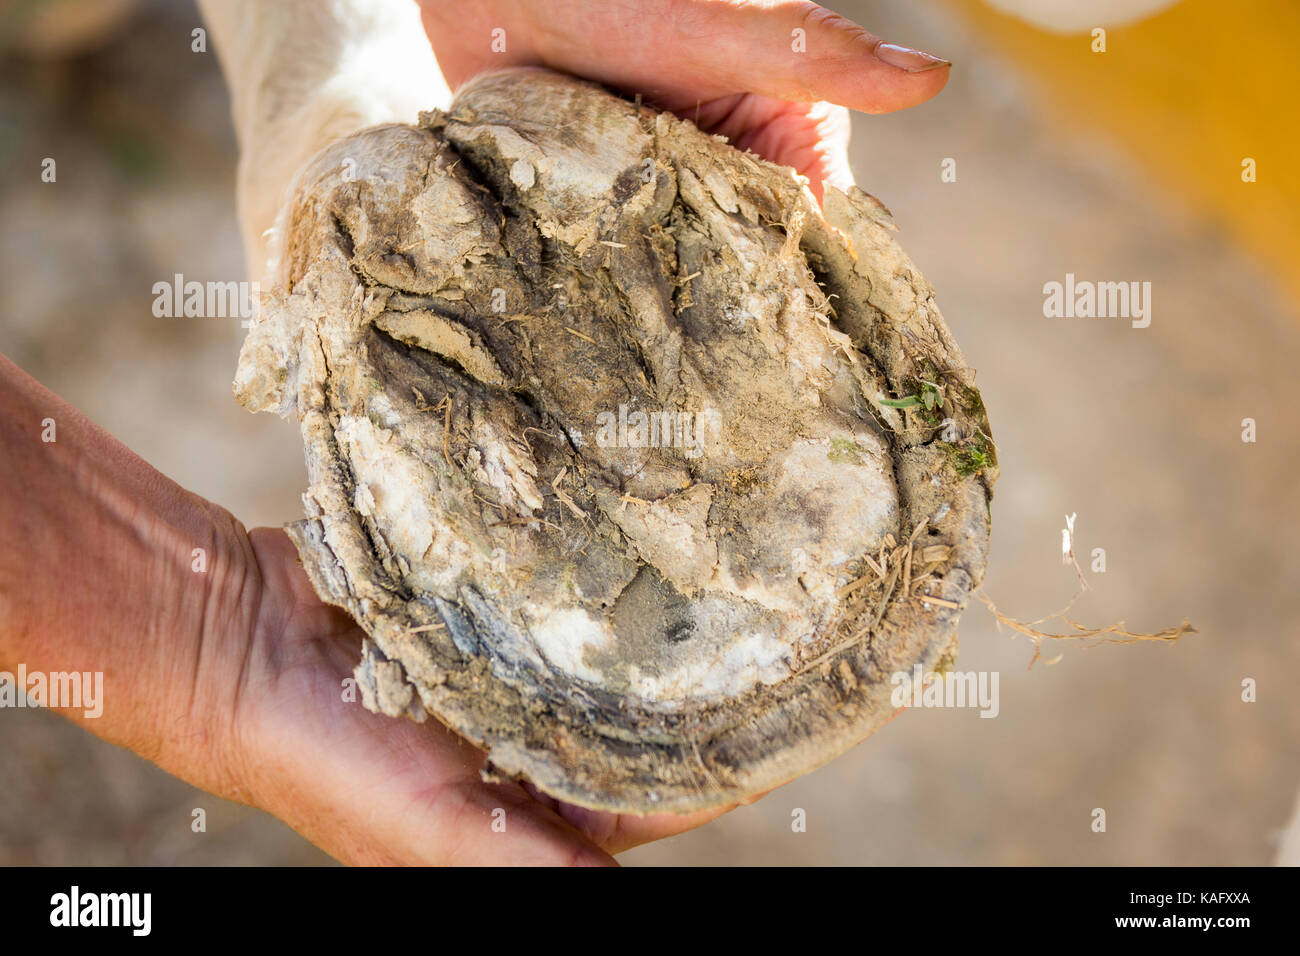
column 1138, row 431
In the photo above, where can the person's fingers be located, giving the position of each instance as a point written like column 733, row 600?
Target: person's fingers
column 849, row 66
column 468, row 38
column 790, row 50
column 786, row 49
column 834, row 127
column 683, row 51
column 616, row 832
column 365, row 787
column 811, row 137
column 369, row 789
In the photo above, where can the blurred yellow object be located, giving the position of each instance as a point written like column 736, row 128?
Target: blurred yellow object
column 1195, row 92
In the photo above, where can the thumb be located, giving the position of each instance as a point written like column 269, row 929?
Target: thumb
column 801, row 51
column 684, row 51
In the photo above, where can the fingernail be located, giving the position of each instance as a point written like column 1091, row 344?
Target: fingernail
column 905, row 58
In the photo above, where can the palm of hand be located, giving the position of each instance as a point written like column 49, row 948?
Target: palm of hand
column 370, row 789
column 812, row 138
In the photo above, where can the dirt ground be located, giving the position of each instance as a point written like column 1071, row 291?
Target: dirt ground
column 1138, row 431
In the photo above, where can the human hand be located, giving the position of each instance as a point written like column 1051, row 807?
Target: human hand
column 229, row 673
column 367, row 788
column 739, row 69
column 232, row 679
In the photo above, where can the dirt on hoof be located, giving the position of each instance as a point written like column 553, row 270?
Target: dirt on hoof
column 640, row 471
